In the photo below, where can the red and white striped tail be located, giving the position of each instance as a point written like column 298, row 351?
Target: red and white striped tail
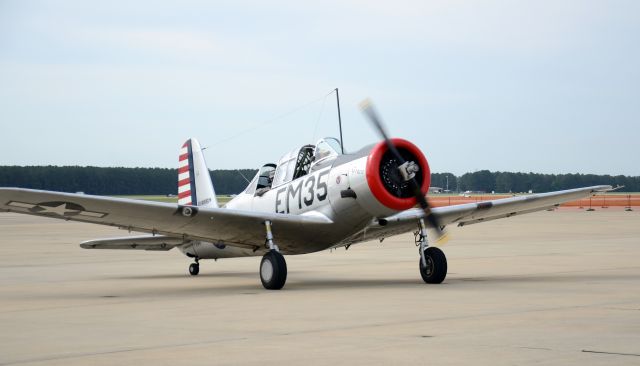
column 186, row 184
column 194, row 181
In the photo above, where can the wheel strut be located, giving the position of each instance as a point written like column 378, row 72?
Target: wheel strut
column 421, row 240
column 269, row 241
column 273, row 267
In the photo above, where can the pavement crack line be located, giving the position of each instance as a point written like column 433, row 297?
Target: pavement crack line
column 121, row 350
column 611, row 353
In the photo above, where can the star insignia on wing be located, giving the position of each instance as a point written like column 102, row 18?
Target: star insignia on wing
column 57, row 208
column 61, row 210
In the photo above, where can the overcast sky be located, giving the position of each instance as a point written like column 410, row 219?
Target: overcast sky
column 542, row 86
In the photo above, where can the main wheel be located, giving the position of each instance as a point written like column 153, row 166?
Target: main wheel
column 194, row 269
column 436, row 269
column 273, row 270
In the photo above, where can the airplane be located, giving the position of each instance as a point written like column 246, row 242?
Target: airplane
column 316, row 197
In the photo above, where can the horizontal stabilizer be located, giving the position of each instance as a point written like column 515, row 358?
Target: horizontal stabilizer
column 143, row 242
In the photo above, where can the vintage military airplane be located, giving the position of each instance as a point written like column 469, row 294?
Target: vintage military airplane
column 316, row 197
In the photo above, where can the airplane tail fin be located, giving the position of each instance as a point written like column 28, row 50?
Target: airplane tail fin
column 194, row 182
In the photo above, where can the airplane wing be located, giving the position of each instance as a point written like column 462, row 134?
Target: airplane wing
column 218, row 225
column 473, row 213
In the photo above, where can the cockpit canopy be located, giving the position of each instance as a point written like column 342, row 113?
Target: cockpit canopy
column 295, row 164
column 302, row 161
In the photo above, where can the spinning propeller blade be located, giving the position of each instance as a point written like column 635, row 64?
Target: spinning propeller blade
column 369, row 111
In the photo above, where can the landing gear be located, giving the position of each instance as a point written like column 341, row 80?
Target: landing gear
column 433, row 262
column 273, row 267
column 194, row 268
column 434, row 270
column 273, row 270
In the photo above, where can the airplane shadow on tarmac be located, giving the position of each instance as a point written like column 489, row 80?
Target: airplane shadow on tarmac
column 453, row 281
column 186, row 275
column 585, row 276
column 323, row 283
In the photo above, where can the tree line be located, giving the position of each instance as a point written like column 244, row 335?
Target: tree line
column 114, row 181
column 504, row 182
column 162, row 181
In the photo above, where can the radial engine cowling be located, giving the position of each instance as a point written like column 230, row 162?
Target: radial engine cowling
column 383, row 191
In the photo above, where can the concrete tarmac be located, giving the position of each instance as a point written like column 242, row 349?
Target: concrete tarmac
column 554, row 288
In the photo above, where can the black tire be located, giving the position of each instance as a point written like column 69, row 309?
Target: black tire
column 436, row 268
column 194, row 269
column 273, row 271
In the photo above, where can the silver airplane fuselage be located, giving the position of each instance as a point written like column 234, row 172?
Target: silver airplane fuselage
column 330, row 190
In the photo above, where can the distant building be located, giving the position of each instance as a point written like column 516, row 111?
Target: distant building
column 435, row 190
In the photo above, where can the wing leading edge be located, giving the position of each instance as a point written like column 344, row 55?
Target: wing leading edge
column 239, row 228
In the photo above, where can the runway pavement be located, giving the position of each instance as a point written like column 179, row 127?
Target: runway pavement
column 555, row 288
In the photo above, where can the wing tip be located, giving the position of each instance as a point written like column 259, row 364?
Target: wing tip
column 605, row 188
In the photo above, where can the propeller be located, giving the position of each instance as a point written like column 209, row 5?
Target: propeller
column 407, row 169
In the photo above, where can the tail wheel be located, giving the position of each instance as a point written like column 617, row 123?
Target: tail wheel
column 273, row 271
column 436, row 268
